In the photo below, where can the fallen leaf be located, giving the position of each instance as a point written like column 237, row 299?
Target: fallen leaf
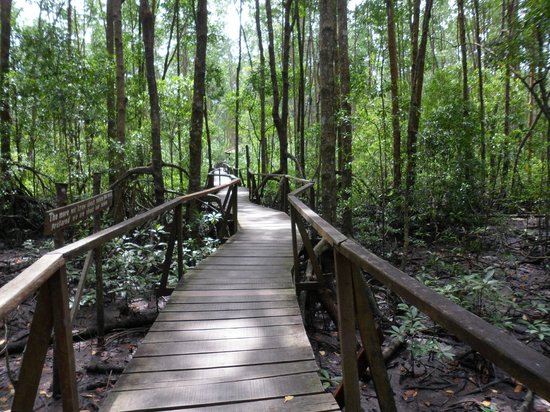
column 322, row 353
column 288, row 398
column 518, row 388
column 409, row 394
column 486, row 403
column 449, row 392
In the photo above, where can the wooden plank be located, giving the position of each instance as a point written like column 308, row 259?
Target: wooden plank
column 201, row 297
column 307, row 403
column 228, row 307
column 144, row 380
column 229, row 286
column 214, row 394
column 175, row 306
column 250, row 295
column 234, row 314
column 245, row 251
column 216, row 346
column 254, row 279
column 160, row 325
column 233, row 271
column 209, row 334
column 247, row 261
column 219, row 360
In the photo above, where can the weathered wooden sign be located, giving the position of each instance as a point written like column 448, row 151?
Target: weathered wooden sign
column 67, row 215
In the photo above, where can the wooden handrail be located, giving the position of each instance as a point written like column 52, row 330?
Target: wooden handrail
column 520, row 361
column 47, row 275
column 27, row 282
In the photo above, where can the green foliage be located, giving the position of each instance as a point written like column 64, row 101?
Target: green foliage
column 411, row 326
column 478, row 292
column 539, row 329
column 132, row 262
column 327, row 380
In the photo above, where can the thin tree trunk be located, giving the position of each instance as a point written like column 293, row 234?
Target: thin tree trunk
column 481, row 96
column 5, row 119
column 148, row 24
column 394, row 75
column 345, row 124
column 300, row 26
column 510, row 11
column 327, row 41
column 195, row 141
column 280, row 119
column 417, row 75
column 467, row 149
column 237, row 90
column 118, row 150
column 261, row 91
column 110, row 95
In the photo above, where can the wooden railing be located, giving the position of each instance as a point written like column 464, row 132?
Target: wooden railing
column 48, row 276
column 520, row 361
column 256, row 183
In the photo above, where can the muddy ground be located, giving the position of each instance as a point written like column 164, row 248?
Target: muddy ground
column 426, row 383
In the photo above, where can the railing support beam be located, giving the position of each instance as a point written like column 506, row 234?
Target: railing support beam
column 346, row 331
column 372, row 344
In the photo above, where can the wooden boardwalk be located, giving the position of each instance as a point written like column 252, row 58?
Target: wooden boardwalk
column 231, row 337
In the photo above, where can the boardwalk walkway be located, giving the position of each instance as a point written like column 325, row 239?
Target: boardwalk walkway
column 231, row 337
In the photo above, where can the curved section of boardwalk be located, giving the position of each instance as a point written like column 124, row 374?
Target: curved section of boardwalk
column 231, row 337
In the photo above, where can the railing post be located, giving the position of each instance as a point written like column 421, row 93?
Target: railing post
column 178, row 217
column 59, row 240
column 234, row 205
column 35, row 353
column 372, row 344
column 296, row 271
column 64, row 340
column 346, row 332
column 98, row 255
column 52, row 310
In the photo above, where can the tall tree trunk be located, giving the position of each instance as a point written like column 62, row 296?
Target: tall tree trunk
column 238, row 90
column 327, row 43
column 5, row 120
column 467, row 155
column 463, row 54
column 110, row 91
column 345, row 130
column 417, row 75
column 507, row 127
column 261, row 91
column 483, row 149
column 280, row 119
column 148, row 23
column 300, row 26
column 120, row 87
column 119, row 143
column 195, row 141
column 394, row 75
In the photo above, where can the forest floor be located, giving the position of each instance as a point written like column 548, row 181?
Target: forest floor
column 429, row 382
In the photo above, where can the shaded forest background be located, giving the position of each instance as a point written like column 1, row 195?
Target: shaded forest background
column 426, row 116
